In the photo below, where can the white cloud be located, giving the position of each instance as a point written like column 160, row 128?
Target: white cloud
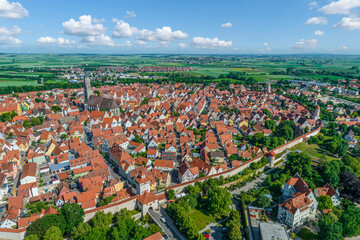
column 98, row 20
column 160, row 34
column 164, row 44
column 130, row 14
column 209, row 43
column 313, row 5
column 7, row 35
column 349, row 23
column 124, row 30
column 226, row 25
column 344, row 47
column 340, row 6
column 316, row 21
column 100, row 40
column 267, row 47
column 305, row 45
column 56, row 41
column 12, row 10
column 319, row 33
column 182, row 45
column 139, row 42
column 115, row 20
column 83, row 27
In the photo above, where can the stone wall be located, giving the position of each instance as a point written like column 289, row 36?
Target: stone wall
column 12, row 234
column 129, row 204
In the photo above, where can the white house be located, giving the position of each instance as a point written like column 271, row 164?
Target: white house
column 300, row 204
column 328, row 190
column 187, row 173
column 29, row 173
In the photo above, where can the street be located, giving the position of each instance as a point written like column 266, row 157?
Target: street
column 168, row 227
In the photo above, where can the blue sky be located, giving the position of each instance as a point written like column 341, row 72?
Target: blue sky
column 174, row 26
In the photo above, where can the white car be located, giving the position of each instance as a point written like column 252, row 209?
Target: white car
column 162, row 219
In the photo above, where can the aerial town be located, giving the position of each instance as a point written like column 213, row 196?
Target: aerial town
column 150, row 148
column 179, row 120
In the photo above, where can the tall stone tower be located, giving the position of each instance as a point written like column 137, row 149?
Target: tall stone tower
column 268, row 90
column 87, row 89
column 317, row 113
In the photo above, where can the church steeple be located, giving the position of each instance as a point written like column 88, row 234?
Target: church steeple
column 87, row 89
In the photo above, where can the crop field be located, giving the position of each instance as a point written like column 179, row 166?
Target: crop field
column 260, row 68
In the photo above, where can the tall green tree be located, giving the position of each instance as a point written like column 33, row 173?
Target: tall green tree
column 53, row 233
column 73, row 215
column 329, row 230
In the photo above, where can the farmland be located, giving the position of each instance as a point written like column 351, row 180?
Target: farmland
column 18, row 69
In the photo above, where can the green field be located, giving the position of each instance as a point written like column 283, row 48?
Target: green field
column 24, row 67
column 314, row 150
column 201, row 219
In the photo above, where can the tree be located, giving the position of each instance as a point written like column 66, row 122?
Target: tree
column 97, row 93
column 27, row 124
column 53, row 233
column 40, row 226
column 73, row 215
column 63, row 136
column 55, row 108
column 138, row 139
column 106, row 201
column 298, row 163
column 233, row 225
column 218, row 201
column 101, row 220
column 325, row 202
column 329, row 229
column 349, row 186
column 153, row 228
column 145, row 101
column 288, row 133
column 32, row 237
column 262, row 201
column 80, row 230
column 350, row 220
column 170, row 194
column 343, row 128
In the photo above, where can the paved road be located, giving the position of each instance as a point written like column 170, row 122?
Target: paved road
column 168, row 227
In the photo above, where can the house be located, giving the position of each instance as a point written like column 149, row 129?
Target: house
column 300, row 203
column 350, row 137
column 328, row 190
column 217, row 156
column 187, row 173
column 155, row 236
column 4, row 187
column 152, row 153
column 28, row 174
column 164, row 165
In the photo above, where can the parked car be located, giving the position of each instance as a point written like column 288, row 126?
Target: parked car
column 163, row 220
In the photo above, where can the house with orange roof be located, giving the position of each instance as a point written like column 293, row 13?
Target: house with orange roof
column 300, row 203
column 327, row 189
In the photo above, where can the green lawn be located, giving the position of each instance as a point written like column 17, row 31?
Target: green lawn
column 18, row 83
column 201, row 219
column 314, row 150
column 306, row 234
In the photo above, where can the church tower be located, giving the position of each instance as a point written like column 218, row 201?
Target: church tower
column 87, row 89
column 268, row 90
